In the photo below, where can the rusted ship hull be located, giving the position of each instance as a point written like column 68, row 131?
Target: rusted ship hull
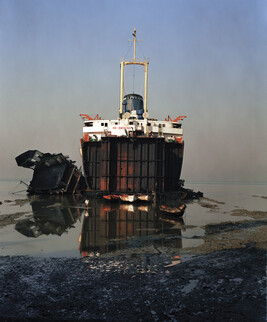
column 132, row 165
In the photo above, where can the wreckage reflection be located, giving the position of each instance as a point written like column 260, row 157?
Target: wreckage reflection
column 51, row 215
column 107, row 228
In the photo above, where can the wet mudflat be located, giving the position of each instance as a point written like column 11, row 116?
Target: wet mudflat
column 128, row 262
column 224, row 285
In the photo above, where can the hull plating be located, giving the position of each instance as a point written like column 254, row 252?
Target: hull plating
column 123, row 164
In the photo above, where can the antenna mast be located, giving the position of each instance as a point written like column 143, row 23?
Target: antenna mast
column 134, row 62
column 134, row 40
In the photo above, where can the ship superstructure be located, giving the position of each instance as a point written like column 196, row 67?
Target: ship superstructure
column 133, row 153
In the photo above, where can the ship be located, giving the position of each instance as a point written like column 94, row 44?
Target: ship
column 133, row 153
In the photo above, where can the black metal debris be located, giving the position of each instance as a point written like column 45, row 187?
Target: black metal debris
column 53, row 173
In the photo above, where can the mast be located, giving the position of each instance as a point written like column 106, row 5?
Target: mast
column 134, row 62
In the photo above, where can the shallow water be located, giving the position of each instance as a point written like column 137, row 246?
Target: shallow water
column 61, row 226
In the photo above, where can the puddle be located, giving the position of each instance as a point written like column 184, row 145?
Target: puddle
column 61, row 226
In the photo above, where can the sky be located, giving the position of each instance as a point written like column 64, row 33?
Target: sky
column 207, row 60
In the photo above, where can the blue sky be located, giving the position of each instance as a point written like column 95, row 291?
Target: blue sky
column 60, row 58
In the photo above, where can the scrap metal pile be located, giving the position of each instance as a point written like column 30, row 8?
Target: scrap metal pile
column 53, row 173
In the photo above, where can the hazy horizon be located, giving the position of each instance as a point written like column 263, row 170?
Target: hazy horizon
column 207, row 61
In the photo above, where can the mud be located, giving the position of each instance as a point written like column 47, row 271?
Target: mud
column 263, row 197
column 210, row 203
column 212, row 200
column 19, row 202
column 10, row 219
column 231, row 235
column 252, row 214
column 223, row 279
column 227, row 285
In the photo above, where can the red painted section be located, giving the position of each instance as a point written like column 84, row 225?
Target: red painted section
column 179, row 140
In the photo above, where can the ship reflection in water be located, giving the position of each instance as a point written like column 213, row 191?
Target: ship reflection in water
column 105, row 227
column 109, row 228
column 51, row 215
